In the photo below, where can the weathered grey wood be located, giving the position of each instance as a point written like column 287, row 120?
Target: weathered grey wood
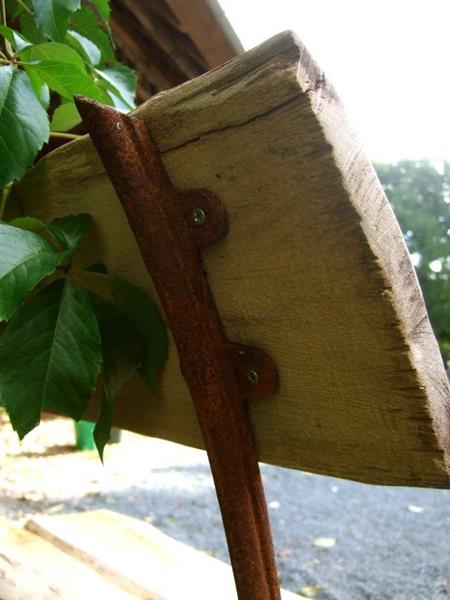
column 314, row 270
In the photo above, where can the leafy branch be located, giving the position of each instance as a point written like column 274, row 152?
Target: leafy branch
column 57, row 341
column 55, row 50
column 60, row 334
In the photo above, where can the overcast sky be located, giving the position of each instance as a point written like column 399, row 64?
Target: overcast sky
column 388, row 59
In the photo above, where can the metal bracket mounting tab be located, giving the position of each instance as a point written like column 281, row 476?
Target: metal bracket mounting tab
column 171, row 227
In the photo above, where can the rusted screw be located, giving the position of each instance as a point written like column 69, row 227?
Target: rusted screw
column 199, row 216
column 252, row 376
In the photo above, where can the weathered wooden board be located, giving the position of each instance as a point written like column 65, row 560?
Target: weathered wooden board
column 314, row 270
column 171, row 41
column 138, row 557
column 33, row 569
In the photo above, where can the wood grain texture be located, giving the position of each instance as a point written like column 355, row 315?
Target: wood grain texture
column 142, row 559
column 33, row 569
column 209, row 29
column 313, row 270
column 170, row 41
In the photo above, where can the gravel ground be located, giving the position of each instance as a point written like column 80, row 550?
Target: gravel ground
column 334, row 539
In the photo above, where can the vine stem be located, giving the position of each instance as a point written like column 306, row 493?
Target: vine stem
column 25, row 7
column 3, row 12
column 6, row 48
column 12, row 61
column 67, row 136
column 4, row 198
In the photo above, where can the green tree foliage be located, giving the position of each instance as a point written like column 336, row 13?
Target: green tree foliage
column 420, row 197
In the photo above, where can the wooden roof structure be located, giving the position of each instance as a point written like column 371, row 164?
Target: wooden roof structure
column 171, row 41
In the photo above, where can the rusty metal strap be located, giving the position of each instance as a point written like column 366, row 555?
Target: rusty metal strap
column 170, row 227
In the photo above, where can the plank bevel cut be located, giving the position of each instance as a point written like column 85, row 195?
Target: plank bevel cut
column 142, row 559
column 314, row 270
column 33, row 569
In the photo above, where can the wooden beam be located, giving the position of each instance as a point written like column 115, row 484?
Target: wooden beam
column 143, row 561
column 314, row 270
column 31, row 567
column 208, row 28
column 170, row 41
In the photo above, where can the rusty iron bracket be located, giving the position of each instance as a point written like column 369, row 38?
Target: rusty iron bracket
column 171, row 227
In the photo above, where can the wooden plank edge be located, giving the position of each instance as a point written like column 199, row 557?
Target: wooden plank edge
column 31, row 567
column 38, row 527
column 118, row 524
column 420, row 360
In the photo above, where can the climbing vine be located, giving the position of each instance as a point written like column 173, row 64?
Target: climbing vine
column 61, row 339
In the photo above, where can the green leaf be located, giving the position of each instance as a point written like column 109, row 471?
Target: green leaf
column 70, row 230
column 23, row 124
column 28, row 223
column 85, row 23
column 13, row 8
column 17, row 41
column 120, row 82
column 49, row 356
column 102, row 429
column 85, row 48
column 25, row 259
column 121, row 348
column 148, row 325
column 103, row 8
column 122, row 354
column 66, row 231
column 29, row 29
column 65, row 117
column 62, row 69
column 40, row 88
column 52, row 16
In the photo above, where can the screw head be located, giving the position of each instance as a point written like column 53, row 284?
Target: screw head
column 199, row 216
column 252, row 376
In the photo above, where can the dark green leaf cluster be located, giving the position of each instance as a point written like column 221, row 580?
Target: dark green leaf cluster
column 52, row 50
column 420, row 196
column 58, row 340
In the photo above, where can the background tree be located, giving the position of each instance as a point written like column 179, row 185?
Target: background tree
column 420, row 195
